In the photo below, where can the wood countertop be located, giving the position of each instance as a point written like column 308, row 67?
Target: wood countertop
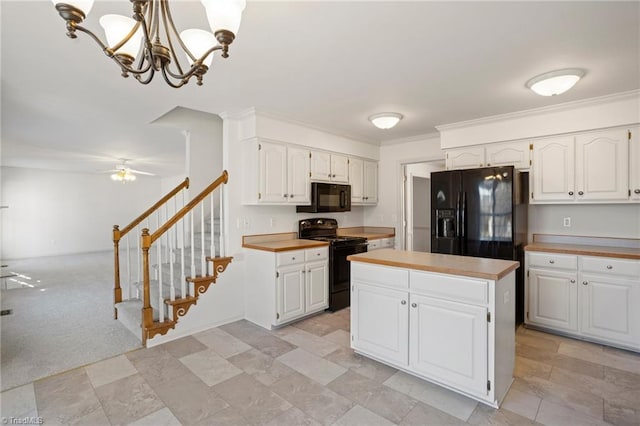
column 368, row 232
column 285, row 245
column 585, row 250
column 475, row 267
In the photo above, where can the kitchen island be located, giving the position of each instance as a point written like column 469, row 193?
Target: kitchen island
column 447, row 319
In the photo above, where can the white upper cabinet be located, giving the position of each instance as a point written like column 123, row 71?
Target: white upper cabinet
column 273, row 173
column 634, row 163
column 602, row 165
column 356, row 170
column 465, row 158
column 329, row 167
column 370, row 182
column 553, row 170
column 298, row 187
column 515, row 154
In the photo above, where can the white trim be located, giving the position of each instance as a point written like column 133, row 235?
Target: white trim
column 417, row 138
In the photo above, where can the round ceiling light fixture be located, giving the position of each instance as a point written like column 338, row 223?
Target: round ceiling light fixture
column 385, row 120
column 555, row 82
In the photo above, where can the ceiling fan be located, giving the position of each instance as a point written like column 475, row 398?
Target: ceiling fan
column 123, row 173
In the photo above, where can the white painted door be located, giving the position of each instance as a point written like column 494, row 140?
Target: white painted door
column 553, row 170
column 609, row 308
column 273, row 173
column 339, row 168
column 602, row 161
column 634, row 163
column 515, row 154
column 355, row 179
column 380, row 322
column 290, row 293
column 298, row 176
column 553, row 299
column 370, row 182
column 317, row 286
column 320, row 165
column 464, row 158
column 462, row 360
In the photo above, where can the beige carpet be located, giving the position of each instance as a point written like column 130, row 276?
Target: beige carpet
column 62, row 317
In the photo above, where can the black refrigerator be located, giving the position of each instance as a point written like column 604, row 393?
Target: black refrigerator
column 482, row 213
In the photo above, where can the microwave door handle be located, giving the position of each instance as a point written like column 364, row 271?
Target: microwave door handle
column 343, row 199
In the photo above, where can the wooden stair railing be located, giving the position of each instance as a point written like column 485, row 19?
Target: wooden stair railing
column 118, row 234
column 180, row 305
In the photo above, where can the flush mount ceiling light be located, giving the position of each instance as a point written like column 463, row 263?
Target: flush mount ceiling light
column 149, row 42
column 555, row 82
column 385, row 120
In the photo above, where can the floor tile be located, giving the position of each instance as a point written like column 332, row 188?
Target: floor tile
column 128, row 399
column 162, row 417
column 310, row 342
column 539, row 341
column 362, row 365
column 559, row 360
column 319, row 326
column 527, row 367
column 443, row 399
column 293, row 417
column 524, row 404
column 380, row 399
column 552, row 414
column 339, row 337
column 263, row 368
column 622, row 378
column 19, row 402
column 227, row 417
column 156, row 365
column 210, row 367
column 423, row 414
column 256, row 402
column 360, row 416
column 485, row 415
column 312, row 366
column 110, row 370
column 222, row 342
column 609, row 359
column 315, row 400
column 183, row 347
column 618, row 414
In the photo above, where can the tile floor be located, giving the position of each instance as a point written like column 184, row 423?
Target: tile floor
column 306, row 374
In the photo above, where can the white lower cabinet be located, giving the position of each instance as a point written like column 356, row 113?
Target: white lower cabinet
column 592, row 298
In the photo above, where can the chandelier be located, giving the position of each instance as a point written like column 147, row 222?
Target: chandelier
column 148, row 43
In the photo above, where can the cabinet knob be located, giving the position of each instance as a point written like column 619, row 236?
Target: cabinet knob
column 636, row 191
column 329, row 175
column 570, row 192
column 309, row 271
column 488, row 164
column 293, row 258
column 609, row 267
column 414, row 305
column 403, row 302
column 333, row 176
column 580, row 193
column 552, row 261
column 291, row 196
column 573, row 281
column 584, row 283
column 285, row 195
column 303, row 271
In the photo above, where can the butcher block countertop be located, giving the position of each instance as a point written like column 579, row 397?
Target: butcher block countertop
column 279, row 242
column 368, row 232
column 586, row 246
column 475, row 267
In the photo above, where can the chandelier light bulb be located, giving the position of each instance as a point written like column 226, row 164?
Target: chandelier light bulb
column 555, row 82
column 224, row 14
column 385, row 120
column 116, row 28
column 198, row 42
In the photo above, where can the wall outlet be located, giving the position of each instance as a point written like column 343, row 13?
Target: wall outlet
column 246, row 223
column 566, row 222
column 272, row 222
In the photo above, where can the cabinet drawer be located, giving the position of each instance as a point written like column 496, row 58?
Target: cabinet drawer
column 316, row 254
column 373, row 245
column 553, row 260
column 381, row 275
column 607, row 265
column 448, row 287
column 289, row 257
column 387, row 243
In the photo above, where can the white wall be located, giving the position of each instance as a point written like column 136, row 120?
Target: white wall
column 54, row 213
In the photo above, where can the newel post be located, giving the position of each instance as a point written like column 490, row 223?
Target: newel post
column 147, row 310
column 117, row 291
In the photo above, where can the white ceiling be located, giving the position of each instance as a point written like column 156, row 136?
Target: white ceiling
column 327, row 63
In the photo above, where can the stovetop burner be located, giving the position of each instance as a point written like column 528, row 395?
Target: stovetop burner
column 325, row 230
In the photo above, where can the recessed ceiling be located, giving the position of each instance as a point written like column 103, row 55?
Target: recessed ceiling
column 329, row 64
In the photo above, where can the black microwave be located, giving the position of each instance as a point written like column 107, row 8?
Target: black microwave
column 327, row 198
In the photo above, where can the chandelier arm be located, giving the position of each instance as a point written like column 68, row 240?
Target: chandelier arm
column 197, row 67
column 128, row 68
column 122, row 42
column 152, row 72
column 171, row 83
column 170, row 26
column 103, row 46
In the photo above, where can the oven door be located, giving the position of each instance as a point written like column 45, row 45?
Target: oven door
column 340, row 268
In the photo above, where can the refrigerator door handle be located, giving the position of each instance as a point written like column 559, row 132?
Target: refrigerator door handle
column 463, row 220
column 457, row 223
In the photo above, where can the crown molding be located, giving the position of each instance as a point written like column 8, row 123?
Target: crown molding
column 615, row 97
column 408, row 139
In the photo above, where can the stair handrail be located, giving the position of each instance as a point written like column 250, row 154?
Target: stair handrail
column 119, row 233
column 148, row 239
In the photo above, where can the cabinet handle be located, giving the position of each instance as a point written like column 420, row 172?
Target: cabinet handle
column 488, row 164
column 609, row 267
column 403, row 302
column 285, row 195
column 414, row 305
column 303, row 271
column 291, row 196
column 309, row 271
column 570, row 192
column 584, row 283
column 333, row 176
column 293, row 258
column 580, row 193
column 636, row 191
column 552, row 261
column 573, row 281
column 329, row 175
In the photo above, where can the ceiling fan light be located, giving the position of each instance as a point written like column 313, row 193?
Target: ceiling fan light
column 385, row 120
column 116, row 28
column 198, row 42
column 84, row 5
column 555, row 82
column 116, row 177
column 224, row 14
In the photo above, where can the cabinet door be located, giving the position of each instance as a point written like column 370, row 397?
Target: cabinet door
column 609, row 308
column 339, row 168
column 355, row 179
column 370, row 182
column 290, row 293
column 380, row 322
column 273, row 173
column 320, row 165
column 634, row 163
column 515, row 154
column 602, row 161
column 464, row 158
column 553, row 170
column 317, row 286
column 448, row 341
column 553, row 299
column 298, row 176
